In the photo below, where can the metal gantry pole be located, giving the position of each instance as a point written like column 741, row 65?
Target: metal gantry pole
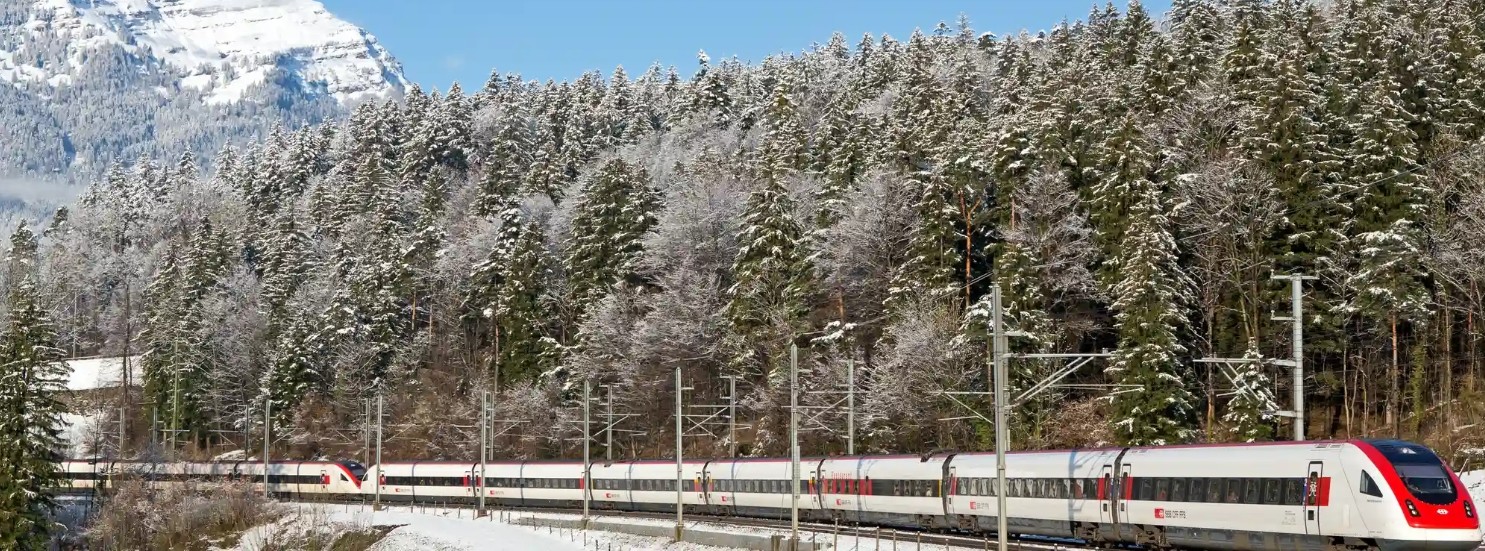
column 267, row 439
column 850, row 406
column 794, row 446
column 376, row 504
column 587, row 456
column 1002, row 435
column 679, row 519
column 123, row 418
column 731, row 415
column 484, row 446
column 1296, row 317
column 366, row 435
column 608, row 431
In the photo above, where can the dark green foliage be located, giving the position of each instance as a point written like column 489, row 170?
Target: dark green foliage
column 32, row 379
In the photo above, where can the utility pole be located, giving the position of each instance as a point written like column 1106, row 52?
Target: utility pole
column 376, row 504
column 794, row 446
column 1296, row 317
column 679, row 519
column 850, row 406
column 608, row 430
column 484, row 445
column 174, row 410
column 587, row 457
column 731, row 415
column 1002, row 435
column 267, row 439
column 123, row 418
column 366, row 435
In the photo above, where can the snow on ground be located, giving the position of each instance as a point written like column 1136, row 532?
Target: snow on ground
column 432, row 528
column 96, row 373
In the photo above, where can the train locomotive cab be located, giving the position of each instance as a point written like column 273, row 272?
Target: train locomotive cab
column 1427, row 507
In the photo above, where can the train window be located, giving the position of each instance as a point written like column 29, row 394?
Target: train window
column 1273, row 491
column 1234, row 490
column 1145, row 490
column 1369, row 486
column 1162, row 489
column 1196, row 490
column 1178, row 490
column 1252, row 490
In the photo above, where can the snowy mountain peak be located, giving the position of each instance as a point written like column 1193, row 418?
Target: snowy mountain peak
column 220, row 47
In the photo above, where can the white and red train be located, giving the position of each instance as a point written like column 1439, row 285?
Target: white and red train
column 1383, row 495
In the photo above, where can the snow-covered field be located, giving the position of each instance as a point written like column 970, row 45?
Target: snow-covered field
column 422, row 529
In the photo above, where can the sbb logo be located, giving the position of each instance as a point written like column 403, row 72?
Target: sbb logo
column 1159, row 513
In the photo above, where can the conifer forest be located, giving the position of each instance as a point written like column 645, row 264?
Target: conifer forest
column 1132, row 181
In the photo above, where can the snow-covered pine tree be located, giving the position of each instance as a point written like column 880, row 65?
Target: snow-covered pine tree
column 1249, row 412
column 931, row 271
column 616, row 209
column 1125, row 169
column 506, row 161
column 1384, row 274
column 453, row 138
column 773, row 278
column 32, row 381
column 521, row 311
column 285, row 266
column 1197, row 31
column 1152, row 405
column 294, row 368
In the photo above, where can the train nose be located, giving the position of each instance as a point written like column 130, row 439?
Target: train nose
column 1437, row 540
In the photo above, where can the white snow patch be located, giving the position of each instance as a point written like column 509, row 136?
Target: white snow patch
column 449, row 529
column 102, row 372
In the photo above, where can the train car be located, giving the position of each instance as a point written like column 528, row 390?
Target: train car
column 653, row 485
column 80, row 476
column 893, row 490
column 502, row 483
column 610, row 487
column 552, row 484
column 300, row 480
column 1388, row 495
column 1050, row 493
column 761, row 487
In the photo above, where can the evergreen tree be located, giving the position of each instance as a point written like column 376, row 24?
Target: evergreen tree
column 933, row 257
column 32, row 381
column 525, row 348
column 769, row 299
column 1247, row 413
column 614, row 212
column 1153, row 407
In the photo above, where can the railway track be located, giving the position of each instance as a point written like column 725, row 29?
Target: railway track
column 816, row 532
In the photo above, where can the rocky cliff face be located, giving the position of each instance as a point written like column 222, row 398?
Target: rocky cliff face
column 222, row 48
column 87, row 83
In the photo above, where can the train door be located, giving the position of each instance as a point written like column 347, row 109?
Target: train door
column 471, row 484
column 1314, row 473
column 324, row 481
column 1108, row 514
column 951, row 489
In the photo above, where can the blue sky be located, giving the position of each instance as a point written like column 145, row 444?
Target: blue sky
column 442, row 41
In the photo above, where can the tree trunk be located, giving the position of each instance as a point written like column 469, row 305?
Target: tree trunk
column 1346, row 388
column 1446, row 375
column 1394, row 391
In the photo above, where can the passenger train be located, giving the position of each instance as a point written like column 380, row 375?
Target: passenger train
column 1362, row 495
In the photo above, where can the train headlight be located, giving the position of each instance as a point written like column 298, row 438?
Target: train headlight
column 1412, row 510
column 1469, row 510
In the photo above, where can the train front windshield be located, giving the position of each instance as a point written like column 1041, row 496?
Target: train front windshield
column 1427, row 480
column 356, row 469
